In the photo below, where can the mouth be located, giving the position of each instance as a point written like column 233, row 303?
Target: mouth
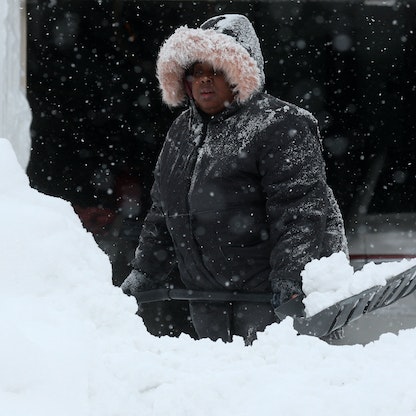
column 206, row 93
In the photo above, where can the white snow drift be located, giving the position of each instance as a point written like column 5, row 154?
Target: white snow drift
column 71, row 343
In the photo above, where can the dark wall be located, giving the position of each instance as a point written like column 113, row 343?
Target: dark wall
column 98, row 121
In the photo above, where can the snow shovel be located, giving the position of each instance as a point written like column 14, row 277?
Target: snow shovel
column 349, row 309
column 319, row 325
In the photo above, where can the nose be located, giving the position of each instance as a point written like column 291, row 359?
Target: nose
column 207, row 78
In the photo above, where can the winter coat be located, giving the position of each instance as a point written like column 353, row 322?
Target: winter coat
column 240, row 199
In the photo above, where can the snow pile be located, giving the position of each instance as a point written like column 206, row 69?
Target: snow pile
column 56, row 305
column 331, row 279
column 72, row 345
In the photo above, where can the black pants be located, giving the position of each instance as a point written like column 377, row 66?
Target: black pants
column 223, row 320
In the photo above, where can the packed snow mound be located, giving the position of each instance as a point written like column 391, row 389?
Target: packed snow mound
column 56, row 303
column 72, row 344
column 42, row 238
column 332, row 279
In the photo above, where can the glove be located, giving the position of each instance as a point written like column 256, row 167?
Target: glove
column 285, row 290
column 136, row 282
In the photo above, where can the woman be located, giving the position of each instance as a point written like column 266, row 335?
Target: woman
column 240, row 199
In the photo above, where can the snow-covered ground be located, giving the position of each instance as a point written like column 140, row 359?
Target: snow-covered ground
column 71, row 343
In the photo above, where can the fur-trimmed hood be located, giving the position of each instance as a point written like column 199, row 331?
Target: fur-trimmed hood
column 227, row 42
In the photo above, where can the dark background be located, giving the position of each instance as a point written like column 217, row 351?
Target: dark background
column 98, row 119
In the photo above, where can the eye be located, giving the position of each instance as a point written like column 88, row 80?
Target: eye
column 201, row 72
column 198, row 73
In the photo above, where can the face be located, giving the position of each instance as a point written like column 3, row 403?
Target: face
column 210, row 90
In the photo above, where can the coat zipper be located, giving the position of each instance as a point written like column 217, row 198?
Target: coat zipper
column 188, row 205
column 197, row 150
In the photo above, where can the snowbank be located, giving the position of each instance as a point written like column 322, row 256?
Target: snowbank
column 72, row 345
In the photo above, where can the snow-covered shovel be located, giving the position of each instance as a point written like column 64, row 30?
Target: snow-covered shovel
column 348, row 310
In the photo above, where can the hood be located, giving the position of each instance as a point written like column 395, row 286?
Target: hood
column 227, row 42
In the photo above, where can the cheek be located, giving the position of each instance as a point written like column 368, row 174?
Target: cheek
column 224, row 87
column 227, row 93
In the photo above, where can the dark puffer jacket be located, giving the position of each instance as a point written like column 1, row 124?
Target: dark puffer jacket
column 240, row 199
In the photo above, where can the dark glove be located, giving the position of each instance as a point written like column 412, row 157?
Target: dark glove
column 136, row 282
column 285, row 290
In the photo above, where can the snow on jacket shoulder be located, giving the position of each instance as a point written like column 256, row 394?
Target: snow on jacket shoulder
column 240, row 199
